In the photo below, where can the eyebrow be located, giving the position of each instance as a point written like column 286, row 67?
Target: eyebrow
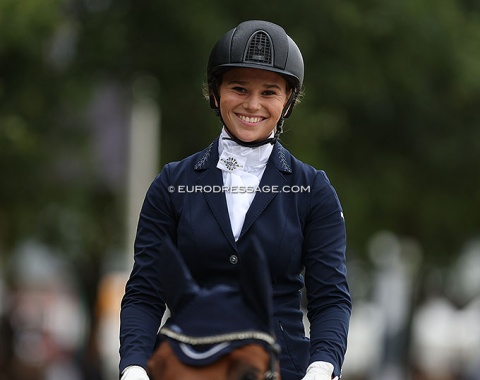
column 244, row 83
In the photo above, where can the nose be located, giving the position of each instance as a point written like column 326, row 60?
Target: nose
column 252, row 102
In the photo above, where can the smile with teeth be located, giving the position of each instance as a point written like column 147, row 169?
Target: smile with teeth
column 252, row 119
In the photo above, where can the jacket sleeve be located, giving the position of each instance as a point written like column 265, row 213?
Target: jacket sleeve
column 143, row 304
column 329, row 302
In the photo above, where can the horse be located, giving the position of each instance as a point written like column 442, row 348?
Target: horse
column 224, row 332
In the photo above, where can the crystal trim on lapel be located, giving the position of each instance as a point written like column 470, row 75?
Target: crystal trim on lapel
column 201, row 162
column 281, row 155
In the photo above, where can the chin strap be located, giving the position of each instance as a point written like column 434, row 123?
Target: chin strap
column 251, row 144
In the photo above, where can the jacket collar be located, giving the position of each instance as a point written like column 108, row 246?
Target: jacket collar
column 278, row 164
column 280, row 157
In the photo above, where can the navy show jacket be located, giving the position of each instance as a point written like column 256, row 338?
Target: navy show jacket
column 296, row 220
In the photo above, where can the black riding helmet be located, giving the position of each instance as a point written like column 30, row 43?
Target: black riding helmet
column 259, row 45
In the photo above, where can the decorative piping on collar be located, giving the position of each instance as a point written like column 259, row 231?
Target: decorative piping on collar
column 201, row 162
column 281, row 156
column 283, row 160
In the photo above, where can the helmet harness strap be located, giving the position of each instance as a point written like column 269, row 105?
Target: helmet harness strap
column 287, row 110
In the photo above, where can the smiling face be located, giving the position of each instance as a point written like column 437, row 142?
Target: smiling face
column 251, row 102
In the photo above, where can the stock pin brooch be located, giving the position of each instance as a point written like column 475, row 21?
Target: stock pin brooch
column 230, row 163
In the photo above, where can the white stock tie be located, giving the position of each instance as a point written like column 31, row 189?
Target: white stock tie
column 242, row 169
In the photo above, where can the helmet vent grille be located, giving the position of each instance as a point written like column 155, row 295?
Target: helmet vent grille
column 259, row 49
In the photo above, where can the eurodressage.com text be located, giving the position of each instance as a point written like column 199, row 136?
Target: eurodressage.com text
column 238, row 189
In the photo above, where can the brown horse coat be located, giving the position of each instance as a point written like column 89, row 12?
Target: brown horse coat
column 249, row 362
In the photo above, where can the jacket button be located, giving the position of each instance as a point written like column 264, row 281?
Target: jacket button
column 234, row 259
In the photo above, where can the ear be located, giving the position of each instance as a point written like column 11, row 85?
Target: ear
column 288, row 108
column 177, row 283
column 256, row 285
column 289, row 94
column 213, row 102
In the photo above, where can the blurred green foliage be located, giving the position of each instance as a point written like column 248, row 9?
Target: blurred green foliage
column 391, row 110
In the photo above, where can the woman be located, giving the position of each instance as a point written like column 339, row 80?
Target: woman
column 269, row 200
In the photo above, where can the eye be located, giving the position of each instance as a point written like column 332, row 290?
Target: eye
column 239, row 89
column 242, row 371
column 249, row 375
column 269, row 93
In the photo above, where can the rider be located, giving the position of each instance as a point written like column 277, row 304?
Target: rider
column 255, row 75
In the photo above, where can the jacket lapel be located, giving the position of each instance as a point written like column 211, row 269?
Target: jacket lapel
column 279, row 165
column 212, row 176
column 273, row 179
